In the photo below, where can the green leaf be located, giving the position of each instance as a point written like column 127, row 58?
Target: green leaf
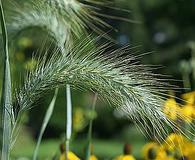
column 45, row 123
column 6, row 99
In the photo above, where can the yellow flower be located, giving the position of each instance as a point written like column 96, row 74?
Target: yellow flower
column 175, row 140
column 175, row 147
column 79, row 120
column 179, row 146
column 171, row 109
column 93, row 157
column 71, row 156
column 191, row 153
column 189, row 97
column 150, row 150
column 162, row 155
column 125, row 157
column 188, row 113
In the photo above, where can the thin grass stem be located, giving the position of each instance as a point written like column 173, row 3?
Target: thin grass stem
column 68, row 119
column 45, row 123
column 89, row 141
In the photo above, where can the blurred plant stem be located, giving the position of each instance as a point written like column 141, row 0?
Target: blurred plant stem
column 45, row 123
column 6, row 99
column 89, row 140
column 185, row 71
column 186, row 82
column 68, row 118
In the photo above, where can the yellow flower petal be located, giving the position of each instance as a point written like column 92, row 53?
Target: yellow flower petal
column 171, row 109
column 162, row 155
column 93, row 157
column 150, row 150
column 175, row 139
column 71, row 156
column 178, row 144
column 188, row 113
column 191, row 154
column 189, row 97
column 125, row 157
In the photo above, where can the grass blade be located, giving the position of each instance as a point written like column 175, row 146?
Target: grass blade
column 6, row 99
column 45, row 122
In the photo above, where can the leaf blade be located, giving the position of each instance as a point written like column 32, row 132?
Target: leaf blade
column 6, row 99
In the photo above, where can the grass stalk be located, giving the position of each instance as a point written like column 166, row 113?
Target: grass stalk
column 6, row 99
column 45, row 123
column 68, row 119
column 89, row 140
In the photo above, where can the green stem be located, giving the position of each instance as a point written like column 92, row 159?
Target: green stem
column 6, row 99
column 68, row 119
column 89, row 142
column 45, row 123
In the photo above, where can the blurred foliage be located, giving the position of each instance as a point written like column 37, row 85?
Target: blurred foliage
column 166, row 28
column 102, row 148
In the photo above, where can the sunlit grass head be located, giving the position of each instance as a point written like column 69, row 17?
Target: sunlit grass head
column 118, row 79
